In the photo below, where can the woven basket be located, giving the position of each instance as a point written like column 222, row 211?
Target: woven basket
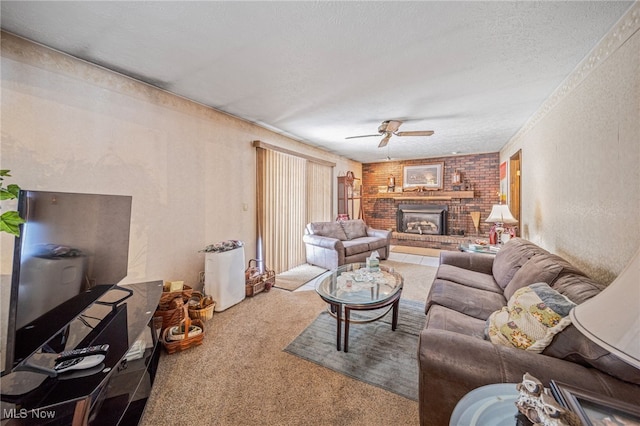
column 168, row 296
column 255, row 281
column 201, row 307
column 189, row 341
column 173, row 314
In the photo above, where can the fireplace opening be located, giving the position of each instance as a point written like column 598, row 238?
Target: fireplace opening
column 422, row 219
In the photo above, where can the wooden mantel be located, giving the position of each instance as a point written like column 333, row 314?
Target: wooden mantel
column 427, row 195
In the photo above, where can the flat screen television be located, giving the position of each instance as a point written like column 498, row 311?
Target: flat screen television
column 72, row 249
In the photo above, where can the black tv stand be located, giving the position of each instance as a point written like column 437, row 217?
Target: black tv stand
column 114, row 394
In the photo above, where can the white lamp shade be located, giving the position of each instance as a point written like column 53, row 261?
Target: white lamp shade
column 500, row 214
column 612, row 318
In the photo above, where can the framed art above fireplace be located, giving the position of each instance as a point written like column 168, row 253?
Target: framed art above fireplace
column 425, row 176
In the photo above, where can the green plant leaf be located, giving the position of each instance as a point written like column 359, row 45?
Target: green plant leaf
column 10, row 222
column 7, row 194
column 14, row 189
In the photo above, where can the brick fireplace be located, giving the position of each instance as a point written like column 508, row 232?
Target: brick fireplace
column 422, row 219
column 477, row 192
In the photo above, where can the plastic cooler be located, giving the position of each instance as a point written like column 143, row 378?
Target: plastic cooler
column 224, row 277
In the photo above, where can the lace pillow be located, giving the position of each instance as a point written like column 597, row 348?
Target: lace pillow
column 532, row 317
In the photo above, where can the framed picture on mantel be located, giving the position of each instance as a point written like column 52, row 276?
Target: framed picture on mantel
column 426, row 176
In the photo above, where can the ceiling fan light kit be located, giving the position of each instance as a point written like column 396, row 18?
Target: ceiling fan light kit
column 390, row 128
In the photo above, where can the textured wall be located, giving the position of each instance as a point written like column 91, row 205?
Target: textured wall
column 70, row 126
column 581, row 160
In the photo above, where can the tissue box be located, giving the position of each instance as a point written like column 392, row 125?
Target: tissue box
column 373, row 265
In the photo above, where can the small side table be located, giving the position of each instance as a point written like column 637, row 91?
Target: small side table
column 477, row 248
column 489, row 405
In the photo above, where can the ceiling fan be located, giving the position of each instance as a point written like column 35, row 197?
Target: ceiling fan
column 390, row 128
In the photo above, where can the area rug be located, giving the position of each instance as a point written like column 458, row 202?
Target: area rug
column 377, row 355
column 298, row 276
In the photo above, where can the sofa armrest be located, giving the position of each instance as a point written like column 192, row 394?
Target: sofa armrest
column 452, row 364
column 478, row 262
column 325, row 252
column 379, row 233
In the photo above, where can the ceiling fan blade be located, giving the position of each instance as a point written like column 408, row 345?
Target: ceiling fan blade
column 362, row 136
column 384, row 141
column 416, row 133
column 389, row 126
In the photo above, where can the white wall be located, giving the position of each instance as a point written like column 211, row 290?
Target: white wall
column 581, row 159
column 71, row 126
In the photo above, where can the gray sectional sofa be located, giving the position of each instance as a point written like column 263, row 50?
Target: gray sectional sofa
column 331, row 244
column 456, row 355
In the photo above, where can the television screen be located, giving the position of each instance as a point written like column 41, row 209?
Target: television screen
column 72, row 249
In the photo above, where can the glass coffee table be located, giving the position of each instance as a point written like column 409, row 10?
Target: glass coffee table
column 353, row 287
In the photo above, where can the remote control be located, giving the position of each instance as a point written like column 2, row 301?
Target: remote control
column 89, row 350
column 79, row 363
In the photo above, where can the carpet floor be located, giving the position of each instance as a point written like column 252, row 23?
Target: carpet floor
column 240, row 375
column 377, row 355
column 298, row 276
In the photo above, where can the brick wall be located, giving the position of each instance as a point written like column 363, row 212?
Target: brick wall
column 480, row 171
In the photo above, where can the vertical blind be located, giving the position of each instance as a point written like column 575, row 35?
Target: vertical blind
column 319, row 190
column 291, row 192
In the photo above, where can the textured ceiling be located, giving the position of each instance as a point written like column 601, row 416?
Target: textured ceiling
column 473, row 72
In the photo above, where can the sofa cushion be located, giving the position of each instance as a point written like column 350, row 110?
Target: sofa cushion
column 538, row 269
column 467, row 300
column 533, row 315
column 571, row 345
column 577, row 288
column 442, row 318
column 354, row 228
column 376, row 243
column 468, row 278
column 328, row 229
column 358, row 246
column 515, row 253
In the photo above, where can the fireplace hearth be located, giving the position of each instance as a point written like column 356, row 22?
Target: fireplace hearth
column 422, row 219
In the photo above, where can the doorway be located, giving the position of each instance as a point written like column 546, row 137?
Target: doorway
column 515, row 168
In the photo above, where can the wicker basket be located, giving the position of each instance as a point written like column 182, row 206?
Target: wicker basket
column 201, row 306
column 167, row 297
column 188, row 341
column 173, row 314
column 255, row 281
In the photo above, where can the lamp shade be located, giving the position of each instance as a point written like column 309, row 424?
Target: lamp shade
column 612, row 318
column 500, row 214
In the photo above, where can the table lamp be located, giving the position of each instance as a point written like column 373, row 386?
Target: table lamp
column 611, row 319
column 500, row 215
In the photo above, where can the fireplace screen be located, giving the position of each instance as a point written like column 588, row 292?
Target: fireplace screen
column 418, row 219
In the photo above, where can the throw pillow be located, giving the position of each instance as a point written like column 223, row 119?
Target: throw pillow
column 532, row 317
column 354, row 228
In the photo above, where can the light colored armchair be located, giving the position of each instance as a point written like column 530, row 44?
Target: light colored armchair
column 331, row 244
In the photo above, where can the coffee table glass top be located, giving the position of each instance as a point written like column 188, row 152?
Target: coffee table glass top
column 354, row 284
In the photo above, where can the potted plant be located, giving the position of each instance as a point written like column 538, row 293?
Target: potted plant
column 10, row 221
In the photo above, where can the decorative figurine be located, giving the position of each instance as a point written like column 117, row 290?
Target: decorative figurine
column 540, row 407
column 391, row 184
column 456, row 178
column 553, row 414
